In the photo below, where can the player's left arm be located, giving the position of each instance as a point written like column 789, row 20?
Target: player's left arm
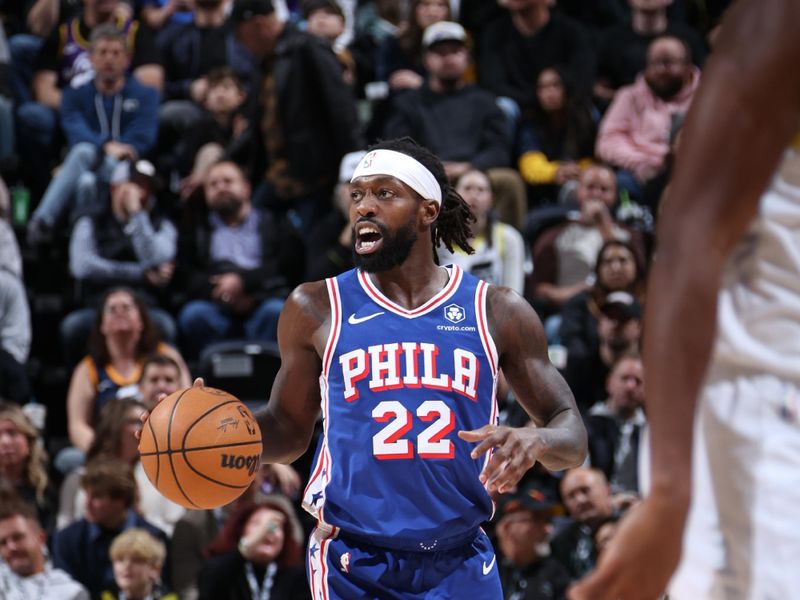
column 558, row 439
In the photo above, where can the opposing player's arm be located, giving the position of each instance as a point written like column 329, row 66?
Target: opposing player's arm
column 558, row 440
column 288, row 420
column 744, row 115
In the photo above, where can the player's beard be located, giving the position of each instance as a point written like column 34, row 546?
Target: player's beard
column 395, row 248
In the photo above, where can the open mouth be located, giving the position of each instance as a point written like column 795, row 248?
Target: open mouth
column 368, row 238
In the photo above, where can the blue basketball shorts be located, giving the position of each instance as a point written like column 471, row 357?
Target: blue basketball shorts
column 340, row 568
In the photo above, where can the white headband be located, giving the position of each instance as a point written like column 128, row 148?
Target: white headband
column 408, row 170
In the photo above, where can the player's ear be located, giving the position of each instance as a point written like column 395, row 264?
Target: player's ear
column 429, row 211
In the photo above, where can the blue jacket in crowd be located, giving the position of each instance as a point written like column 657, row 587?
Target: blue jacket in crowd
column 129, row 117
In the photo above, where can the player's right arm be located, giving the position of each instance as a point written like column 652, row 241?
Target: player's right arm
column 294, row 404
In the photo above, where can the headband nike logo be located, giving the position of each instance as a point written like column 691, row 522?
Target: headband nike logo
column 354, row 320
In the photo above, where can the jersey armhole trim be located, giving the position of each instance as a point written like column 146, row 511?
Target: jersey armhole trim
column 335, row 300
column 483, row 326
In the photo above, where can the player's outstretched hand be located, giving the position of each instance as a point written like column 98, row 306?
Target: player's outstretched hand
column 516, row 451
column 642, row 556
column 198, row 382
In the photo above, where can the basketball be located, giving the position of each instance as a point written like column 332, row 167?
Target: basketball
column 201, row 447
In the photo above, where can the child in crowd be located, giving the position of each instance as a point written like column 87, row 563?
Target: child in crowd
column 325, row 19
column 137, row 558
column 219, row 131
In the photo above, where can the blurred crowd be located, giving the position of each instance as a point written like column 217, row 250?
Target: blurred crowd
column 171, row 169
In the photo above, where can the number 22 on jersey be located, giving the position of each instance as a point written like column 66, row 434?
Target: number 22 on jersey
column 390, row 443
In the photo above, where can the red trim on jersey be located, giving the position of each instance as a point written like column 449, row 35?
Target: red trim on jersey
column 481, row 314
column 336, row 324
column 483, row 325
column 323, row 547
column 333, row 338
column 376, row 295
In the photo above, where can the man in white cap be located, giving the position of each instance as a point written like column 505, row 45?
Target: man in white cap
column 459, row 121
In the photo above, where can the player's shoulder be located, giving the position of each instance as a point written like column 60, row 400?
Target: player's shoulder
column 510, row 316
column 502, row 298
column 310, row 301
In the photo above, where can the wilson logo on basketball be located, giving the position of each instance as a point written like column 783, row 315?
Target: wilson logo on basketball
column 229, row 461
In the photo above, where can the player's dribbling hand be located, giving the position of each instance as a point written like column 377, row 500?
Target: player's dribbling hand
column 198, row 382
column 640, row 559
column 516, row 449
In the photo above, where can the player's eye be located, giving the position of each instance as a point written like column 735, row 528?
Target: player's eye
column 356, row 195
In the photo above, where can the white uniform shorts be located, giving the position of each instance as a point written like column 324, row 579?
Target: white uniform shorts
column 743, row 533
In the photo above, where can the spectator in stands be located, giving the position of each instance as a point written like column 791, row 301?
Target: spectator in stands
column 557, row 140
column 619, row 268
column 137, row 558
column 528, row 38
column 256, row 550
column 64, row 62
column 305, row 120
column 7, row 142
column 527, row 571
column 107, row 120
column 25, row 23
column 160, row 375
column 220, row 131
column 598, row 15
column 399, row 59
column 330, row 245
column 82, row 548
column 15, row 320
column 605, row 533
column 23, row 462
column 325, row 19
column 615, row 426
column 123, row 240
column 634, row 133
column 587, row 496
column 564, row 255
column 618, row 331
column 122, row 337
column 194, row 49
column 457, row 120
column 28, row 574
column 166, row 14
column 622, row 50
column 499, row 255
column 198, row 528
column 116, row 438
column 231, row 263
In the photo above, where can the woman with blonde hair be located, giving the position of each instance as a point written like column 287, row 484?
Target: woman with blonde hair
column 23, row 461
column 137, row 558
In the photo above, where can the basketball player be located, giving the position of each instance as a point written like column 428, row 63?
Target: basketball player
column 728, row 253
column 402, row 356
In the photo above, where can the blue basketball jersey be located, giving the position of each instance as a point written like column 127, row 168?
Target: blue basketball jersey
column 397, row 385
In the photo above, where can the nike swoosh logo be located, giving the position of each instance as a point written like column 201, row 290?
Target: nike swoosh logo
column 487, row 568
column 354, row 320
